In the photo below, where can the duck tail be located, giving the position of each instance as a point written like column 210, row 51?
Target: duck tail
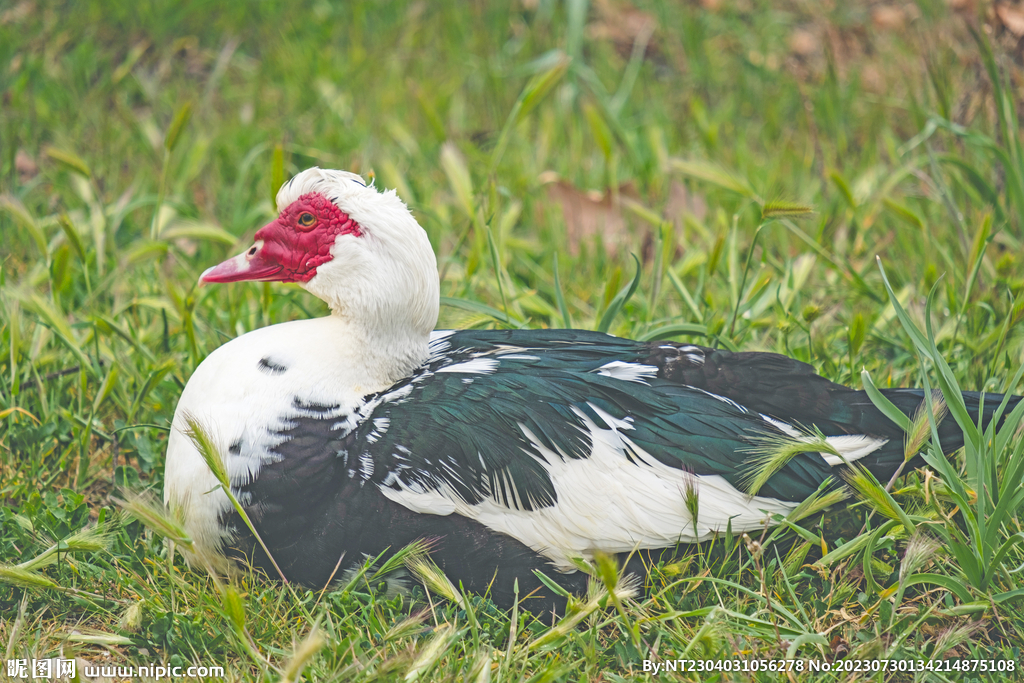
column 982, row 408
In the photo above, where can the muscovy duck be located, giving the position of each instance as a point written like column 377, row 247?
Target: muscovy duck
column 509, row 450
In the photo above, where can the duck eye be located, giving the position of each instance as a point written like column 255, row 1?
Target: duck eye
column 306, row 219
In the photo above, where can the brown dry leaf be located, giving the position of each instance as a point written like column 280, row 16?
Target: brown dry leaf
column 25, row 165
column 683, row 202
column 187, row 246
column 623, row 24
column 838, row 647
column 803, row 42
column 15, row 14
column 1012, row 17
column 873, row 80
column 888, row 18
column 592, row 213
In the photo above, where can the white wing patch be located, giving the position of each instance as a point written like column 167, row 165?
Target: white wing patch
column 853, row 447
column 785, row 427
column 439, row 344
column 477, row 366
column 366, row 465
column 615, row 423
column 691, row 353
column 423, row 501
column 500, row 350
column 380, row 427
column 723, row 399
column 608, row 502
column 394, row 395
column 630, row 372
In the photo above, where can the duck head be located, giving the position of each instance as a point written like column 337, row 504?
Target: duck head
column 359, row 250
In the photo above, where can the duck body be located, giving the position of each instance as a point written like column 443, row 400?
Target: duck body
column 509, row 451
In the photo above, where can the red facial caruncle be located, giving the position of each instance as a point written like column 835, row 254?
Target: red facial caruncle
column 290, row 248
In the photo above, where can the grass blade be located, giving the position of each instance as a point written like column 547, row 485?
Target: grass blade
column 620, row 300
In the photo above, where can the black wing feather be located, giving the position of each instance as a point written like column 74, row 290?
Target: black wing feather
column 464, row 430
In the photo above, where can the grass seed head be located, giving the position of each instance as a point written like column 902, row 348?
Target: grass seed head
column 202, row 439
column 435, row 580
column 432, row 651
column 920, row 426
column 825, row 497
column 772, row 452
column 919, row 550
column 691, row 498
column 954, row 636
column 233, row 607
column 26, row 578
column 155, row 515
column 303, row 652
column 131, row 619
column 869, row 490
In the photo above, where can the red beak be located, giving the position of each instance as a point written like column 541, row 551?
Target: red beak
column 249, row 265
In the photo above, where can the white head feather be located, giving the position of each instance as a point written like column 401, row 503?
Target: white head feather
column 384, row 281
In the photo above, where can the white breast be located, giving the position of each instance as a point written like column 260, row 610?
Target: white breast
column 240, row 394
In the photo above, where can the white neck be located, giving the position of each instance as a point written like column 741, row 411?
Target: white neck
column 382, row 284
column 383, row 353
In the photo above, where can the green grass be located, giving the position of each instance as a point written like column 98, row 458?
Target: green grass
column 142, row 142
